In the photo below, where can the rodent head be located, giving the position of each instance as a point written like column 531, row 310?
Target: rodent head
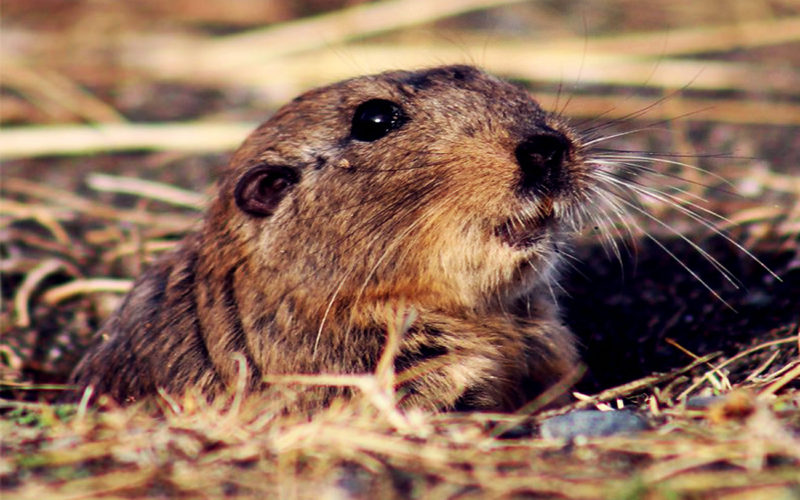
column 447, row 187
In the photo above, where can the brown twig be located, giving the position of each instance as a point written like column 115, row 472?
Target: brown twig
column 627, row 389
column 85, row 286
column 81, row 204
column 287, row 39
column 741, row 355
column 147, row 189
column 55, row 93
column 29, row 284
column 790, row 376
column 32, row 141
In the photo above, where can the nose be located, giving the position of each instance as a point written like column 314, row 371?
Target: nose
column 541, row 158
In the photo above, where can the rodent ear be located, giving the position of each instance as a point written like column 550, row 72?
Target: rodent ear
column 261, row 189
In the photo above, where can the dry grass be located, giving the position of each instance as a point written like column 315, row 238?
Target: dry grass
column 84, row 209
column 364, row 449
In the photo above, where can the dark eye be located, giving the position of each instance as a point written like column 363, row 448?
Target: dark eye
column 376, row 118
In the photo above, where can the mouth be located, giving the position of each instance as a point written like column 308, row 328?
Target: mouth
column 523, row 232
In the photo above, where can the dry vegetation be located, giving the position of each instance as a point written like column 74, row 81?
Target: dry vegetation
column 116, row 116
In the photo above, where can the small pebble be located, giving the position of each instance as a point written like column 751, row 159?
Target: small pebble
column 702, row 402
column 592, row 423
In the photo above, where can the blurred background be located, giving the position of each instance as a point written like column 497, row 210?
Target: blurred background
column 107, row 61
column 117, row 115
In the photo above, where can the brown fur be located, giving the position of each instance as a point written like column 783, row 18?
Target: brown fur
column 426, row 216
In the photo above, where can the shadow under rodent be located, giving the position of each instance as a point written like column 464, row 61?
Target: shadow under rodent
column 446, row 191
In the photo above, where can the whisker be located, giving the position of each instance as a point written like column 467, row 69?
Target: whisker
column 710, row 258
column 698, row 218
column 603, row 138
column 651, row 160
column 688, row 269
column 327, row 312
column 637, row 169
column 607, row 227
column 671, row 199
column 636, row 114
column 656, row 155
column 677, row 259
column 618, row 211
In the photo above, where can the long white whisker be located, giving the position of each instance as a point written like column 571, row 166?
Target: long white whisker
column 671, row 199
column 618, row 211
column 695, row 216
column 636, row 169
column 327, row 311
column 614, row 136
column 672, row 254
column 710, row 258
column 687, row 268
column 648, row 159
column 620, row 214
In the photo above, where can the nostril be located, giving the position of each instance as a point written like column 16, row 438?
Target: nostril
column 541, row 157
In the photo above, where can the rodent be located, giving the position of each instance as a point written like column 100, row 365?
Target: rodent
column 446, row 190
